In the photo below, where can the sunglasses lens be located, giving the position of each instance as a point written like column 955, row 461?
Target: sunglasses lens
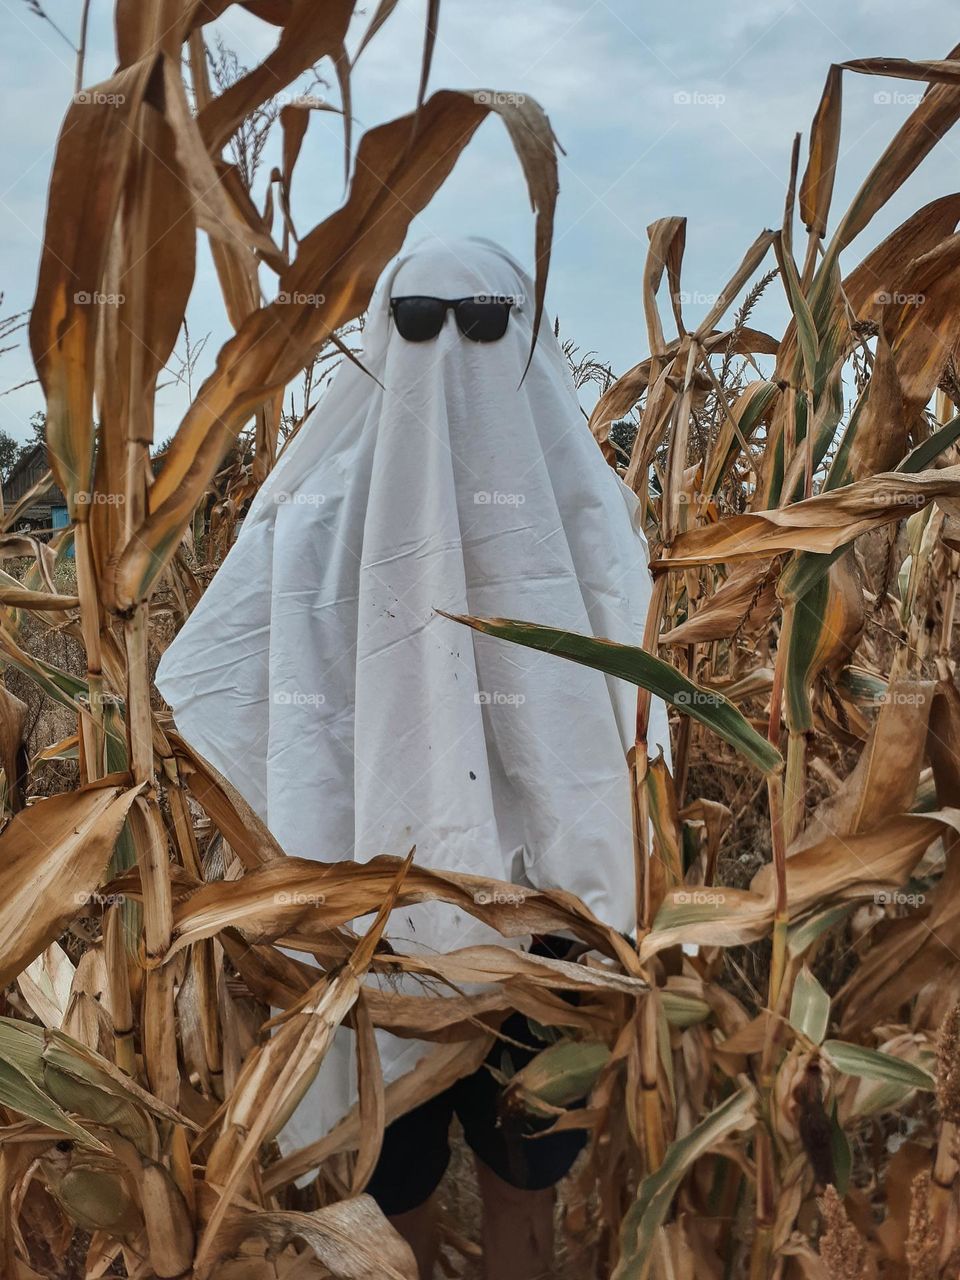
column 483, row 320
column 418, row 319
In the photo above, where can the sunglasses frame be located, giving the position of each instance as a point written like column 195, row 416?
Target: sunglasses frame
column 452, row 304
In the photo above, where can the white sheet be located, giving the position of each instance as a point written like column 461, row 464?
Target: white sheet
column 316, row 675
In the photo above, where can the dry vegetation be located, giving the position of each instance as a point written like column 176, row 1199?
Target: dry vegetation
column 778, row 1096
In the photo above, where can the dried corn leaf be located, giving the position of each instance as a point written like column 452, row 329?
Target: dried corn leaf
column 52, row 856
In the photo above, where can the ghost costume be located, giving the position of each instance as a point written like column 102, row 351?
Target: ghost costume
column 317, row 676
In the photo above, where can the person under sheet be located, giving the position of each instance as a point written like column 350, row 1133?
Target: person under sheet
column 317, row 675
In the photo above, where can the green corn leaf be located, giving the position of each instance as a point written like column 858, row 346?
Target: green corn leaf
column 21, row 1082
column 803, row 935
column 628, row 662
column 806, row 569
column 855, row 1060
column 842, row 1152
column 683, row 1010
column 655, row 1194
column 559, row 1075
column 809, row 1007
column 920, row 458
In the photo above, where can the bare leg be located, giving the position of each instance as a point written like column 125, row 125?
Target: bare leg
column 517, row 1229
column 419, row 1228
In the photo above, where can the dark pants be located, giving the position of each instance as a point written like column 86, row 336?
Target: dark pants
column 416, row 1146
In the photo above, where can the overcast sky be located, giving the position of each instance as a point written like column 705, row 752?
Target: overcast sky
column 663, row 107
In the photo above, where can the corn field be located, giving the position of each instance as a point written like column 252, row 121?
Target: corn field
column 771, row 1067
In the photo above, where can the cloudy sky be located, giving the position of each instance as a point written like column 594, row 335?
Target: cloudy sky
column 663, row 107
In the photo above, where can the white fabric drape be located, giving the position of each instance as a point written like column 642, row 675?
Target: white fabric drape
column 317, row 676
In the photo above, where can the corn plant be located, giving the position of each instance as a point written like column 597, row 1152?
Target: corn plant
column 743, row 1085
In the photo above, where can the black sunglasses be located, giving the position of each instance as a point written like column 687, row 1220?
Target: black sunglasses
column 481, row 319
